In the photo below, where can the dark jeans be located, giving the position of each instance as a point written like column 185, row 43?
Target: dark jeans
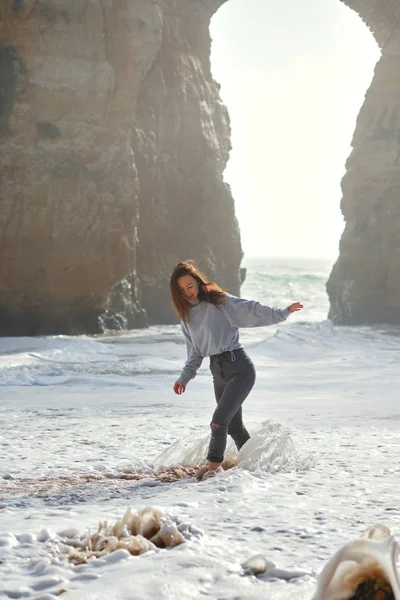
column 234, row 375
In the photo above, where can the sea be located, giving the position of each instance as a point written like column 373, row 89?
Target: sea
column 281, row 281
column 88, row 424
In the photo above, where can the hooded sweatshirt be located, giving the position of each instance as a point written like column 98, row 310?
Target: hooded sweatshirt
column 211, row 329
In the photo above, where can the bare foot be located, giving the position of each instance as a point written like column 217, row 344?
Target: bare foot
column 210, row 467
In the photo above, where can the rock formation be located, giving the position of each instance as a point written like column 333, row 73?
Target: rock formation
column 364, row 286
column 181, row 141
column 113, row 141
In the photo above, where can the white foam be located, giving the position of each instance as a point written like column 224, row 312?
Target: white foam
column 322, row 461
column 269, row 449
column 272, row 450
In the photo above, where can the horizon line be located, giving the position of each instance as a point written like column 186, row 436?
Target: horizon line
column 289, row 257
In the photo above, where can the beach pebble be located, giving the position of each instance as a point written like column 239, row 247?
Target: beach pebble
column 258, row 564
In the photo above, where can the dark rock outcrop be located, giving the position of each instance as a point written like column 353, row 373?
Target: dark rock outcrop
column 364, row 286
column 182, row 144
column 112, row 137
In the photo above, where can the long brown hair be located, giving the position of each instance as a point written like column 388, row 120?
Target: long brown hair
column 208, row 290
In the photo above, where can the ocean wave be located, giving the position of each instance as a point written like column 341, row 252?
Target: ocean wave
column 60, row 361
column 63, row 360
column 59, row 374
column 323, row 332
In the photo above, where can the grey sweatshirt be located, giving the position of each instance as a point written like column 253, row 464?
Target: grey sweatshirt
column 213, row 329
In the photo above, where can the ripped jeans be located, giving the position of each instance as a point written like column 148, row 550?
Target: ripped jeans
column 234, row 376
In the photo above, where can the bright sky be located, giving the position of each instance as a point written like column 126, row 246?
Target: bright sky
column 293, row 75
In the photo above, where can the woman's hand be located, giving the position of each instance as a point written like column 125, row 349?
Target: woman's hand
column 295, row 307
column 179, row 388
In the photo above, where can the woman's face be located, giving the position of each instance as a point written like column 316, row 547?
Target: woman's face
column 189, row 287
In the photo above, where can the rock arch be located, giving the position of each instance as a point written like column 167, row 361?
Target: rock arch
column 364, row 284
column 113, row 141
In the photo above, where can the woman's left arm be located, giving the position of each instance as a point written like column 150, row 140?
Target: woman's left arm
column 249, row 313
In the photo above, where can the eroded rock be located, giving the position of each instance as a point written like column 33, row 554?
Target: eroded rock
column 111, row 133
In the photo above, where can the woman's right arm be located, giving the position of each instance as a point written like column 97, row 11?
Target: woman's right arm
column 193, row 363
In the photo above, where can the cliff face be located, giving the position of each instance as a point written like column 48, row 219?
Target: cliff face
column 181, row 142
column 112, row 137
column 113, row 141
column 364, row 283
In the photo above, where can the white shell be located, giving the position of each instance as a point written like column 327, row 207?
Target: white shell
column 356, row 562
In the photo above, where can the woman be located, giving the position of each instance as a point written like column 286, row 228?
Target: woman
column 210, row 320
